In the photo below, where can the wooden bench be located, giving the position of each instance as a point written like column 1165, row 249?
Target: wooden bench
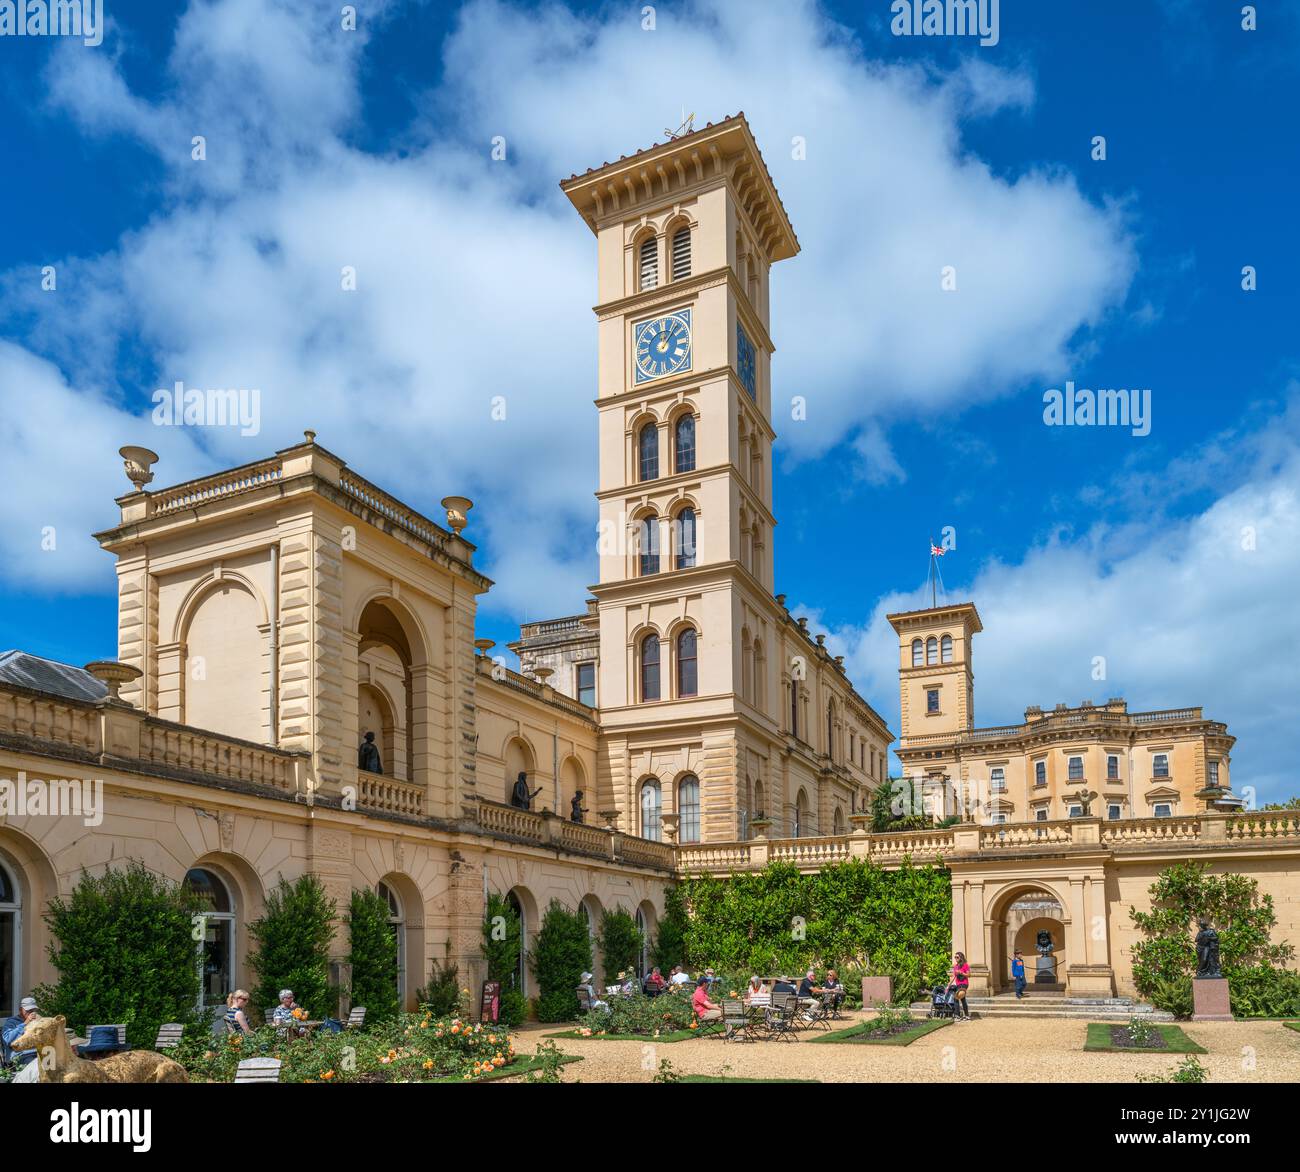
column 258, row 1070
column 169, row 1035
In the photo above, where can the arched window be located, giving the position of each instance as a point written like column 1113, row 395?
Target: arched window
column 684, row 444
column 830, row 730
column 800, row 814
column 397, row 926
column 651, row 824
column 681, row 253
column 946, row 646
column 649, row 262
column 684, row 539
column 931, row 650
column 918, row 655
column 687, row 676
column 648, row 452
column 648, row 545
column 10, row 910
column 837, row 823
column 650, row 667
column 794, row 708
column 760, row 675
column 688, row 809
column 216, row 949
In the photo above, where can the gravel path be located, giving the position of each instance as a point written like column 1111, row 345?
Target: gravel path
column 989, row 1050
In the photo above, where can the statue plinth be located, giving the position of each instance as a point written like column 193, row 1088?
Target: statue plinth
column 1210, row 999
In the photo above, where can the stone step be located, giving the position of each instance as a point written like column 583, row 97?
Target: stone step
column 1075, row 1009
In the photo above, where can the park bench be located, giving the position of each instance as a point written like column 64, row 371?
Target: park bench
column 169, row 1035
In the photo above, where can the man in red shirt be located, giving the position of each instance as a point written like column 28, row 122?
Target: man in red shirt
column 705, row 1010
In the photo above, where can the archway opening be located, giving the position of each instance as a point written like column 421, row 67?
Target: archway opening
column 1032, row 921
column 10, row 939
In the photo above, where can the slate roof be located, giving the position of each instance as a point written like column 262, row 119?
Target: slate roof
column 24, row 670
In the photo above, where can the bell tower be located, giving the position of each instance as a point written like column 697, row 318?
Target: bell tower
column 686, row 232
column 936, row 681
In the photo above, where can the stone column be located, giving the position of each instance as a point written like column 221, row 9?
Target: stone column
column 465, row 911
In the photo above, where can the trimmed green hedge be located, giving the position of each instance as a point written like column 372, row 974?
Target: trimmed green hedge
column 854, row 916
column 292, row 946
column 373, row 956
column 124, row 948
column 560, row 955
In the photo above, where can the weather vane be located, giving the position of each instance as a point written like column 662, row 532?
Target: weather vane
column 686, row 126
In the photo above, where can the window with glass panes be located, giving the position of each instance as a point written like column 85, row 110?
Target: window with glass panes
column 587, row 684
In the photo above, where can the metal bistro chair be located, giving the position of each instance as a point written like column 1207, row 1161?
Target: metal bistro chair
column 818, row 1017
column 736, row 1021
column 584, row 1000
column 779, row 1017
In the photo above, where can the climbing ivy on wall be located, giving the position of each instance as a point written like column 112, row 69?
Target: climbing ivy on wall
column 853, row 915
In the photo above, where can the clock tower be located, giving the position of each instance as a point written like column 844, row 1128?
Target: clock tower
column 690, row 661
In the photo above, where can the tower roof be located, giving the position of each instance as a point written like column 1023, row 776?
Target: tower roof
column 725, row 148
column 963, row 612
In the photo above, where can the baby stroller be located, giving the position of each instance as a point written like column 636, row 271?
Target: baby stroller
column 943, row 1002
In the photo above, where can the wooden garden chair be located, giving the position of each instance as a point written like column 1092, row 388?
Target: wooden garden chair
column 779, row 1017
column 258, row 1070
column 737, row 1021
column 169, row 1036
column 357, row 1018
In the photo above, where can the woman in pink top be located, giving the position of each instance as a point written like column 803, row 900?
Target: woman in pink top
column 961, row 983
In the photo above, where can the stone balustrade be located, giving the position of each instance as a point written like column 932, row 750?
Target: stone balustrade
column 190, row 750
column 210, row 488
column 377, row 792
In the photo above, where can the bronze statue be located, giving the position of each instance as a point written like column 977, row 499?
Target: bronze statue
column 576, row 810
column 520, row 798
column 1044, row 941
column 368, row 755
column 1207, row 952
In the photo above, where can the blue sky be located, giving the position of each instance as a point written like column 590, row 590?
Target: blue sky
column 1172, row 555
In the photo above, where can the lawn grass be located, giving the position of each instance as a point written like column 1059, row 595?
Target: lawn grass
column 858, row 1035
column 518, row 1067
column 1176, row 1042
column 724, row 1078
column 1292, row 1025
column 674, row 1036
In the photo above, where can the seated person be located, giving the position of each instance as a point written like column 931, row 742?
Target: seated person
column 654, row 984
column 591, row 993
column 236, row 1017
column 679, row 976
column 705, row 1010
column 629, row 982
column 809, row 991
column 283, row 1014
column 783, row 985
column 712, row 979
column 13, row 1028
column 755, row 989
column 832, row 985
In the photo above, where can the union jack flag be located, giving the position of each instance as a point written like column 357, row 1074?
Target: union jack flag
column 935, row 551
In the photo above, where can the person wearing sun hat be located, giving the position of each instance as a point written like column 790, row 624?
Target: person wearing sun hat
column 585, row 983
column 102, row 1042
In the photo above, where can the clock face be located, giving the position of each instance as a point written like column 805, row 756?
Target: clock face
column 663, row 345
column 745, row 359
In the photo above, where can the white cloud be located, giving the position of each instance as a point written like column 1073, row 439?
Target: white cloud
column 475, row 277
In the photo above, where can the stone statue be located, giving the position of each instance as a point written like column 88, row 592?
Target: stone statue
column 575, row 807
column 520, row 798
column 1207, row 952
column 368, row 755
column 56, row 1061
